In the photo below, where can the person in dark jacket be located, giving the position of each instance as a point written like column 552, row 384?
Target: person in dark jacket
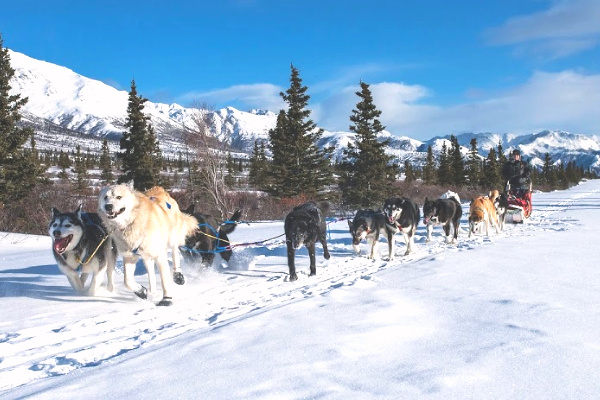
column 516, row 171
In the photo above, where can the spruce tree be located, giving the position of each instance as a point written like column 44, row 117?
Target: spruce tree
column 80, row 171
column 490, row 176
column 298, row 165
column 141, row 157
column 457, row 162
column 64, row 163
column 367, row 171
column 444, row 171
column 20, row 170
column 429, row 171
column 473, row 164
column 106, row 167
column 258, row 174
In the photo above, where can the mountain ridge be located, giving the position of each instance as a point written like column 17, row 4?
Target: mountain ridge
column 90, row 110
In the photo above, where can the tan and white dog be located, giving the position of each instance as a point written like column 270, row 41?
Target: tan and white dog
column 146, row 225
column 482, row 212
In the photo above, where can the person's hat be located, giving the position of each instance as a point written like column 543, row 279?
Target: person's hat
column 516, row 152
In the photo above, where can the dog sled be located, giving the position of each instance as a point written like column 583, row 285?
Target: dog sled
column 519, row 202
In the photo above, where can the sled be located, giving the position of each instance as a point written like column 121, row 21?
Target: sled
column 519, row 203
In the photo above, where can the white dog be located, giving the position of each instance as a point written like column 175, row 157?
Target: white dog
column 146, row 225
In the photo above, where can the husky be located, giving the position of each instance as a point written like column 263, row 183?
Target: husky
column 402, row 215
column 482, row 213
column 209, row 238
column 443, row 211
column 305, row 225
column 146, row 225
column 501, row 204
column 368, row 224
column 81, row 246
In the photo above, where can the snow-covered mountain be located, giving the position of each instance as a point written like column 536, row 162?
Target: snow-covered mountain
column 68, row 108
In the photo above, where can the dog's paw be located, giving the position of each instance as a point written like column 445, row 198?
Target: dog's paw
column 142, row 293
column 165, row 302
column 178, row 278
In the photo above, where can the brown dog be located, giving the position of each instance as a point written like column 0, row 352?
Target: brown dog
column 482, row 212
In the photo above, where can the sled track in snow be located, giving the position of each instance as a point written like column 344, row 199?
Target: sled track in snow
column 214, row 299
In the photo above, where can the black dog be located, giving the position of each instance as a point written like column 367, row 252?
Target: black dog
column 444, row 212
column 402, row 215
column 368, row 224
column 304, row 225
column 210, row 238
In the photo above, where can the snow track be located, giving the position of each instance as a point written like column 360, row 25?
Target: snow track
column 111, row 325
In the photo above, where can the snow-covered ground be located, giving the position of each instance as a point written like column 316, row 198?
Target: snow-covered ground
column 513, row 316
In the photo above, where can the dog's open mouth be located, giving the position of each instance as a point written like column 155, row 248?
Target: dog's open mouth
column 113, row 215
column 60, row 245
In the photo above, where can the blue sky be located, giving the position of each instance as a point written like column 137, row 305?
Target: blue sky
column 435, row 67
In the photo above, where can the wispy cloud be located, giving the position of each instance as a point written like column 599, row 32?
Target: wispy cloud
column 567, row 27
column 244, row 97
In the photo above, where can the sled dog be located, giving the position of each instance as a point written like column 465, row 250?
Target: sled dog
column 402, row 215
column 81, row 246
column 444, row 212
column 368, row 224
column 146, row 225
column 501, row 204
column 482, row 213
column 210, row 238
column 305, row 225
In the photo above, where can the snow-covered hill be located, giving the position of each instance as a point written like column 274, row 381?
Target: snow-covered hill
column 62, row 102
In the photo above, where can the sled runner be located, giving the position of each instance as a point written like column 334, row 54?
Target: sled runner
column 519, row 203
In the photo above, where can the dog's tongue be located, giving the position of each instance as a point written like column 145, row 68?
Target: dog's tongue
column 60, row 245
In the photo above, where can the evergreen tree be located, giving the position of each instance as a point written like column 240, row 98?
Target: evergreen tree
column 429, row 172
column 491, row 173
column 501, row 160
column 298, row 165
column 457, row 162
column 20, row 170
column 80, row 171
column 230, row 164
column 474, row 164
column 141, row 157
column 409, row 174
column 547, row 170
column 368, row 172
column 64, row 163
column 444, row 171
column 258, row 174
column 106, row 168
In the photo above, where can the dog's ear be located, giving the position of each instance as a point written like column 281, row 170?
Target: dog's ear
column 130, row 184
column 190, row 209
column 350, row 223
column 79, row 212
column 55, row 212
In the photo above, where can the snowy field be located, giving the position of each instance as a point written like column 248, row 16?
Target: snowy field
column 512, row 316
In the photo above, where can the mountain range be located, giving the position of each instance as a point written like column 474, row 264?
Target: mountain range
column 66, row 108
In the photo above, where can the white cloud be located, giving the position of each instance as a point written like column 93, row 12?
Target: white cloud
column 566, row 100
column 567, row 27
column 243, row 97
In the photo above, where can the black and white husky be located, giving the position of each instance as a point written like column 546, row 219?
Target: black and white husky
column 402, row 215
column 368, row 224
column 82, row 246
column 443, row 211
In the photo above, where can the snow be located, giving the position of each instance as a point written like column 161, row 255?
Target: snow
column 512, row 316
